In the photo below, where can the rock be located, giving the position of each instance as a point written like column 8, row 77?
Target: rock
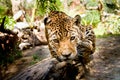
column 21, row 25
column 18, row 14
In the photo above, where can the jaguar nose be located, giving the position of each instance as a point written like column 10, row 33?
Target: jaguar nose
column 66, row 55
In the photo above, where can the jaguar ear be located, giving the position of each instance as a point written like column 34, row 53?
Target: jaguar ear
column 77, row 20
column 47, row 20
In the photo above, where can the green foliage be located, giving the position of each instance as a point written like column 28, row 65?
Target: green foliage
column 91, row 18
column 5, row 5
column 92, row 3
column 2, row 10
column 36, row 59
column 9, row 22
column 100, row 29
column 44, row 6
column 111, row 5
column 110, row 27
column 113, row 24
column 28, row 5
column 107, row 35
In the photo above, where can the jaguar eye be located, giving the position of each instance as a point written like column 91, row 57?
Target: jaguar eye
column 72, row 38
column 56, row 40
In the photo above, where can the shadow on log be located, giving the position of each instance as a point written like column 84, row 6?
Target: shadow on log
column 49, row 69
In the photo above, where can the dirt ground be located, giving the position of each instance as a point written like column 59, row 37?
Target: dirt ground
column 106, row 62
column 104, row 66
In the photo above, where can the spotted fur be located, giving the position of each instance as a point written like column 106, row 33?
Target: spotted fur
column 67, row 38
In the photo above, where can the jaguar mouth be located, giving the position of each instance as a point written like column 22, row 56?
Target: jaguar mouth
column 67, row 60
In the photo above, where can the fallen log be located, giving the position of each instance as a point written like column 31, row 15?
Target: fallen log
column 49, row 69
column 38, row 71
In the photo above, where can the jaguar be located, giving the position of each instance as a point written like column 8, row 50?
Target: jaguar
column 68, row 39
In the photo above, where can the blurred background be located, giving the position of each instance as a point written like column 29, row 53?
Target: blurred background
column 22, row 29
column 102, row 14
